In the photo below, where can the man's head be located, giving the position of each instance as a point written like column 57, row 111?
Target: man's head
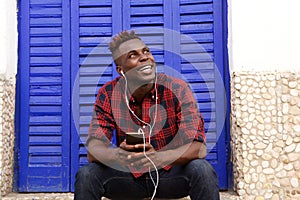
column 118, row 40
column 133, row 57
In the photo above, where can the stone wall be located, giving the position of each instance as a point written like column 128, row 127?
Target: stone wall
column 266, row 134
column 7, row 110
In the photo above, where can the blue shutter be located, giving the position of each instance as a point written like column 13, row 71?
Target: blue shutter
column 148, row 18
column 64, row 60
column 202, row 65
column 94, row 23
column 44, row 100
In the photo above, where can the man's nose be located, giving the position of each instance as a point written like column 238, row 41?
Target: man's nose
column 143, row 57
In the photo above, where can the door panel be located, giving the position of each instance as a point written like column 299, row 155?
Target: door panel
column 45, row 89
column 64, row 60
column 93, row 24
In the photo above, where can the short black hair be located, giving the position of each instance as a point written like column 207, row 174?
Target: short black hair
column 120, row 38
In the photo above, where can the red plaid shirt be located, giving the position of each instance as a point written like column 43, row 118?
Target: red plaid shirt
column 178, row 120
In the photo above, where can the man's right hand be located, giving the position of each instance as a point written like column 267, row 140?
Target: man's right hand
column 120, row 158
column 129, row 154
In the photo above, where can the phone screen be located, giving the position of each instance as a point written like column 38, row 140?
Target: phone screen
column 133, row 138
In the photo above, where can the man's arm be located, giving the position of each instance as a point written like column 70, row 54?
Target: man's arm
column 190, row 152
column 99, row 151
column 178, row 156
column 191, row 130
column 119, row 158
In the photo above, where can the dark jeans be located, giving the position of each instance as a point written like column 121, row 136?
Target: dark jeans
column 197, row 179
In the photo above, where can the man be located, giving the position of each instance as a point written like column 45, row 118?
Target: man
column 169, row 163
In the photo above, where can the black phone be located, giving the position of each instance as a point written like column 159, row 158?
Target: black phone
column 133, row 138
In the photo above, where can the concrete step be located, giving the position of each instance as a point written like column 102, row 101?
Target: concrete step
column 228, row 195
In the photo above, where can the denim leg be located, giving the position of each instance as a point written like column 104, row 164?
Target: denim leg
column 203, row 180
column 197, row 179
column 88, row 183
column 95, row 180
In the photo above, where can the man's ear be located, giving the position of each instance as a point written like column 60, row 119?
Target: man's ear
column 119, row 69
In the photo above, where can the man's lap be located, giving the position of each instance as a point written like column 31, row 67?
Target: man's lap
column 174, row 183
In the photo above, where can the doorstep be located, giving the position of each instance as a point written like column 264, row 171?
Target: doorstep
column 227, row 195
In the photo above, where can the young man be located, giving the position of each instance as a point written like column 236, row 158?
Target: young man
column 169, row 161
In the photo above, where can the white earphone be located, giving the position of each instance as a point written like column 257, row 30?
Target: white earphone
column 155, row 183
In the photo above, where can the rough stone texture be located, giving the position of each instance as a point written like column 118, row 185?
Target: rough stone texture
column 7, row 110
column 266, row 135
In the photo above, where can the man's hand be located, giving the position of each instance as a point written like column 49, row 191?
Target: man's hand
column 142, row 156
column 134, row 156
column 136, row 147
column 177, row 156
column 112, row 157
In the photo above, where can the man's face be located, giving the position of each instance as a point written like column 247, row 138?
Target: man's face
column 136, row 61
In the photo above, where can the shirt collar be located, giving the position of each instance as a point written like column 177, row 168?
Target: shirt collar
column 159, row 79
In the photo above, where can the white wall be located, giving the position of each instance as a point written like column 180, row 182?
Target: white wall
column 264, row 35
column 8, row 37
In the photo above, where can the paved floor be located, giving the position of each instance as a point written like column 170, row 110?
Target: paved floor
column 69, row 196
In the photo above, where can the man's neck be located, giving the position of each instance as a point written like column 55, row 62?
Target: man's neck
column 140, row 92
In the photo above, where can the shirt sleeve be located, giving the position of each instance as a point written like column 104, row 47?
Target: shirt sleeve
column 190, row 120
column 102, row 123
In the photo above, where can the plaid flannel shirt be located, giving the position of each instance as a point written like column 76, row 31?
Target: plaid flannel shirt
column 178, row 120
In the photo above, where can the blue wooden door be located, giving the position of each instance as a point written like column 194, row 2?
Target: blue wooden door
column 43, row 126
column 65, row 60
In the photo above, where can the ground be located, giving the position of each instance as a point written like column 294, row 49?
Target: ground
column 69, row 196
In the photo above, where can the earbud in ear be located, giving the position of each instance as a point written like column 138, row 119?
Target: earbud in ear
column 122, row 73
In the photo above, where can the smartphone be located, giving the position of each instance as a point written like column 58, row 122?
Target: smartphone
column 133, row 138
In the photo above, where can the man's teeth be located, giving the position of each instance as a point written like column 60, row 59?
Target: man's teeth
column 146, row 68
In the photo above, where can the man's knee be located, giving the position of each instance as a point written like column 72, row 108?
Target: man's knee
column 201, row 168
column 88, row 172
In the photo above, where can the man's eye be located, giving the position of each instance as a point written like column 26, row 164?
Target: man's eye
column 146, row 51
column 131, row 56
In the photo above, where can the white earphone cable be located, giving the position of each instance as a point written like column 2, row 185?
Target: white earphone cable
column 140, row 130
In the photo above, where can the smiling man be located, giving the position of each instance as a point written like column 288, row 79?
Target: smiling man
column 169, row 160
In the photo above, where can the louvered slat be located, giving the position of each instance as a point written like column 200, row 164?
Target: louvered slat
column 92, row 67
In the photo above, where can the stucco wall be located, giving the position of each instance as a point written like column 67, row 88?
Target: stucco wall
column 8, row 37
column 266, row 134
column 8, row 69
column 7, row 134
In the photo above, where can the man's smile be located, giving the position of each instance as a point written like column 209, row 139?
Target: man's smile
column 145, row 68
